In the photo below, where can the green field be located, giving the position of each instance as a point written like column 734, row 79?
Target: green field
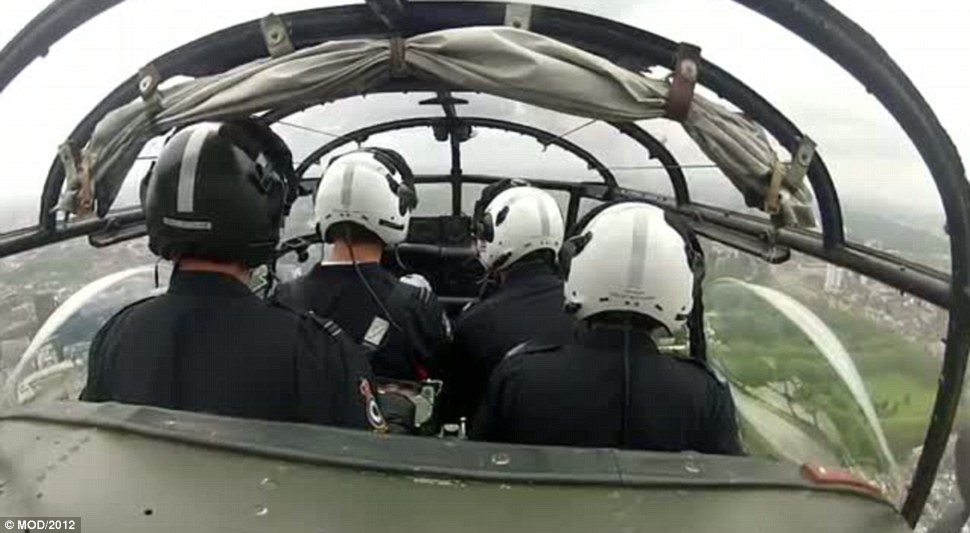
column 766, row 354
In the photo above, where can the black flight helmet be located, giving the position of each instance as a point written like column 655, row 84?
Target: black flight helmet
column 220, row 191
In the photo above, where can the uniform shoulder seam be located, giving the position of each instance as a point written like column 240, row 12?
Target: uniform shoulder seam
column 134, row 304
column 318, row 322
column 331, row 327
column 420, row 295
column 530, row 347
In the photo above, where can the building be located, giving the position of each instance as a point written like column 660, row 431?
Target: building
column 834, row 277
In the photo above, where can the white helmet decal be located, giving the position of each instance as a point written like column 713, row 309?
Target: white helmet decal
column 628, row 258
column 517, row 222
column 368, row 187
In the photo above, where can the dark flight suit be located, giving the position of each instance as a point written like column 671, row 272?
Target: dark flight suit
column 574, row 396
column 210, row 345
column 527, row 306
column 405, row 345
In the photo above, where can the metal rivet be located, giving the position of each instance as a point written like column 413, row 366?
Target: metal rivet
column 501, row 459
column 688, row 69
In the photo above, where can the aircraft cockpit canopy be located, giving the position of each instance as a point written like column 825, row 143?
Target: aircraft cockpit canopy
column 829, row 206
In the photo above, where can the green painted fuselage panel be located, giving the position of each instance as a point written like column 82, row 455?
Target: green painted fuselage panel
column 120, row 481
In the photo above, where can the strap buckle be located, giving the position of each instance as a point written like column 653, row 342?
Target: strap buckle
column 686, row 70
column 276, row 35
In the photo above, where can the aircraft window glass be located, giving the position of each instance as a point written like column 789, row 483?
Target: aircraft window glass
column 586, row 205
column 424, row 154
column 915, row 232
column 490, row 106
column 129, row 194
column 434, row 199
column 629, row 161
column 313, row 127
column 471, row 192
column 33, row 284
column 40, row 108
column 888, row 198
column 18, row 213
column 945, row 502
column 705, row 181
column 300, row 222
column 503, row 154
column 779, row 332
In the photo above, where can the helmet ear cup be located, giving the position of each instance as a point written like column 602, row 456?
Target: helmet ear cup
column 485, row 228
column 408, row 199
column 489, row 193
column 143, row 186
column 572, row 247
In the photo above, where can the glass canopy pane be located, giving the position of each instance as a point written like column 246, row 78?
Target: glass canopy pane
column 42, row 105
column 879, row 175
column 503, row 154
column 826, row 366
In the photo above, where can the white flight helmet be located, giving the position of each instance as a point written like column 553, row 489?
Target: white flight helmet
column 628, row 258
column 517, row 221
column 372, row 187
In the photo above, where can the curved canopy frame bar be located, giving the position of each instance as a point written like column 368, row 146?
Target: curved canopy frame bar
column 626, row 46
column 542, row 136
column 453, row 121
column 814, row 20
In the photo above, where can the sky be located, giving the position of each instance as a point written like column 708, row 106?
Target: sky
column 873, row 163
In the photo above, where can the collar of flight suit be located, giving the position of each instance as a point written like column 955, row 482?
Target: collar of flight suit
column 321, row 269
column 531, row 273
column 611, row 339
column 196, row 283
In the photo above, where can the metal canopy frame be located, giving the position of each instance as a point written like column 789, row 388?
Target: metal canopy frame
column 814, row 20
column 451, row 124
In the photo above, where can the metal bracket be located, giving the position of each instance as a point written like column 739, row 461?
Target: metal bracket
column 800, row 162
column 681, row 94
column 793, row 177
column 148, row 81
column 773, row 195
column 67, row 153
column 518, row 16
column 276, row 35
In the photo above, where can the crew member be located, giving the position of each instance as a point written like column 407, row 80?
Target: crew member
column 363, row 204
column 214, row 205
column 627, row 275
column 519, row 230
